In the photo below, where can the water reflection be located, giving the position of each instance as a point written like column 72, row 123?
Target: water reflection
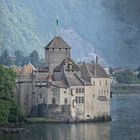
column 64, row 132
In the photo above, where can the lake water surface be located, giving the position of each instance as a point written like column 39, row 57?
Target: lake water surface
column 125, row 125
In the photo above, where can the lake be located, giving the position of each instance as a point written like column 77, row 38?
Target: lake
column 125, row 125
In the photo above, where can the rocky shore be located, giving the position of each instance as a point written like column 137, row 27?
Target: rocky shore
column 12, row 130
column 46, row 120
column 96, row 119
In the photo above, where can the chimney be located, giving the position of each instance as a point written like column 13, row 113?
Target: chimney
column 96, row 59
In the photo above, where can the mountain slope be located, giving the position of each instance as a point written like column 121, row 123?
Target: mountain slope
column 111, row 26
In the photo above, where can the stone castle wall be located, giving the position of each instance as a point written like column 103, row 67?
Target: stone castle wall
column 55, row 56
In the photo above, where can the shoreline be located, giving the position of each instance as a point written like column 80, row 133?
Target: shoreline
column 50, row 121
column 12, row 130
column 125, row 88
column 18, row 129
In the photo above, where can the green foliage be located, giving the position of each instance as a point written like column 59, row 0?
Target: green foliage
column 4, row 111
column 9, row 111
column 34, row 58
column 15, row 113
column 138, row 75
column 126, row 77
column 19, row 57
column 4, row 57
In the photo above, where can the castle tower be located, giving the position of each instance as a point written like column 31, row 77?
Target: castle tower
column 55, row 52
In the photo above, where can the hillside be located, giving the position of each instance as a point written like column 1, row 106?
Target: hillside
column 111, row 26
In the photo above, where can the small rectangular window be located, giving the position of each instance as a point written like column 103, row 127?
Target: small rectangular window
column 100, row 83
column 53, row 101
column 106, row 82
column 82, row 99
column 83, row 90
column 71, row 92
column 76, row 99
column 76, row 90
column 79, row 90
column 79, row 99
column 66, row 101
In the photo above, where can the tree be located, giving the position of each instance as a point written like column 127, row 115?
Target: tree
column 34, row 58
column 138, row 75
column 127, row 77
column 19, row 57
column 4, row 57
column 9, row 110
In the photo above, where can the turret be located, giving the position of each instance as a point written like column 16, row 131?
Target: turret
column 55, row 52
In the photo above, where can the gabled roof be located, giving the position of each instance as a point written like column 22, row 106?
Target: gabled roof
column 58, row 43
column 68, row 61
column 73, row 80
column 96, row 71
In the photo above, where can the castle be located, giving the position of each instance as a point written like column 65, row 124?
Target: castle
column 62, row 89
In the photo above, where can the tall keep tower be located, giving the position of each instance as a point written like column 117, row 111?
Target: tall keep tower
column 55, row 52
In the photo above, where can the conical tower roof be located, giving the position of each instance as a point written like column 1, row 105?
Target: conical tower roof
column 28, row 69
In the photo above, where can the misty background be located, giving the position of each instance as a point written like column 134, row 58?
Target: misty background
column 109, row 28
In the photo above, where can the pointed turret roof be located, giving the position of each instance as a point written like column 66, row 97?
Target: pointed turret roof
column 57, row 42
column 28, row 69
